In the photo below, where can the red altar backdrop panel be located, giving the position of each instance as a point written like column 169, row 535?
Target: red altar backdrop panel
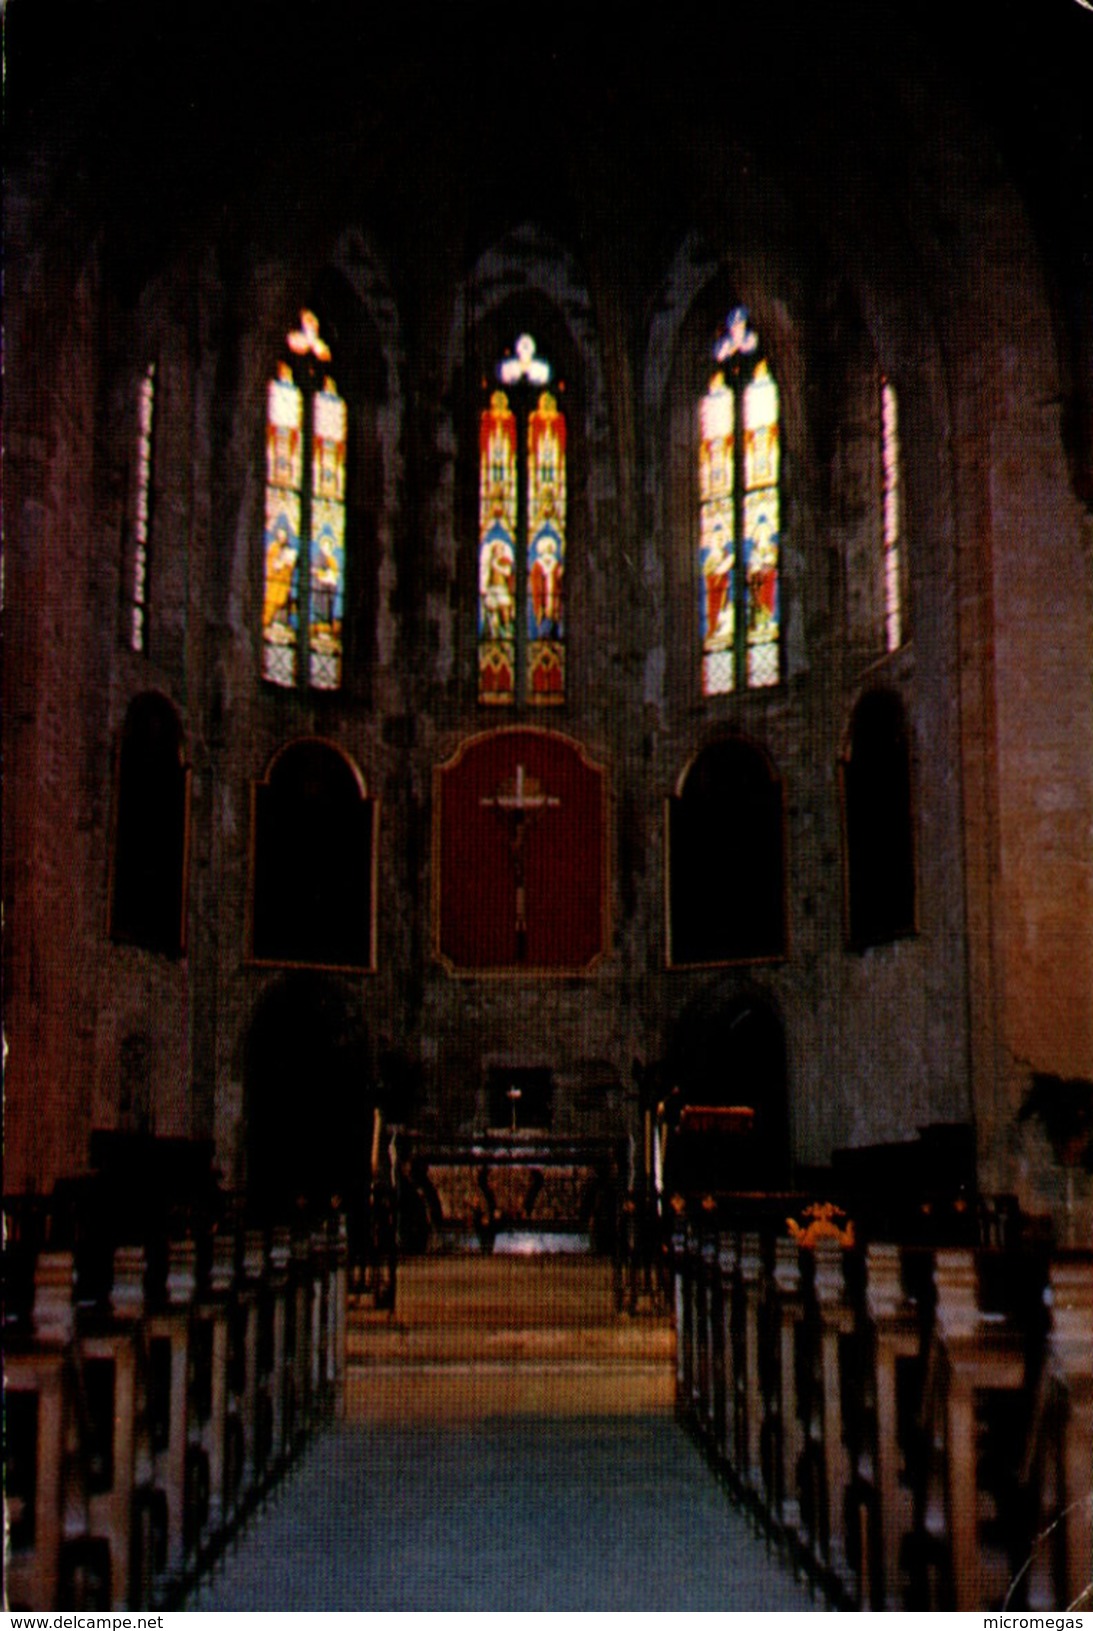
column 515, row 805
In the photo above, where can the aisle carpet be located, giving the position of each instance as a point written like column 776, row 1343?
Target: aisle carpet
column 517, row 1514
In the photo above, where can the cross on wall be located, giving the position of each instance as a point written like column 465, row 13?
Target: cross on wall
column 518, row 801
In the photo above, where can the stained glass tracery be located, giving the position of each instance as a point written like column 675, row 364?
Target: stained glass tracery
column 302, row 611
column 521, row 537
column 739, row 513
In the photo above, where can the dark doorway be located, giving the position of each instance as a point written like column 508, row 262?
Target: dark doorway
column 309, row 1099
column 733, row 1055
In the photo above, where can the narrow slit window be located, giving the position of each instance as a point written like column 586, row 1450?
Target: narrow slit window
column 739, row 456
column 137, row 587
column 893, row 518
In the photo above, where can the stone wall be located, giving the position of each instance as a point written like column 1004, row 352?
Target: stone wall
column 906, row 252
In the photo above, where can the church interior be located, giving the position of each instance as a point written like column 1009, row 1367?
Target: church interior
column 548, row 640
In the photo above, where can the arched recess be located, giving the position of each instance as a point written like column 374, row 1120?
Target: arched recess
column 878, row 824
column 151, row 810
column 312, row 882
column 726, row 859
column 308, row 1098
column 520, row 855
column 730, row 1049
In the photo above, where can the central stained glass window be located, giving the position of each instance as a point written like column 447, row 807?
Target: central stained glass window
column 521, row 535
column 303, row 600
column 739, row 600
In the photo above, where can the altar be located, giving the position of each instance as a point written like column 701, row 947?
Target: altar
column 521, row 1191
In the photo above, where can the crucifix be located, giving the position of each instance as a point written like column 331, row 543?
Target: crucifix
column 519, row 801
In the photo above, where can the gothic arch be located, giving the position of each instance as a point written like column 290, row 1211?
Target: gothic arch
column 726, row 858
column 520, row 858
column 526, row 282
column 312, row 860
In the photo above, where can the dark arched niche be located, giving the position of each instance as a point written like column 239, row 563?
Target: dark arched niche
column 308, row 1098
column 311, row 884
column 725, row 859
column 148, row 883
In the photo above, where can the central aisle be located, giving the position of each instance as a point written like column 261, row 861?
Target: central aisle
column 510, row 1445
column 515, row 1514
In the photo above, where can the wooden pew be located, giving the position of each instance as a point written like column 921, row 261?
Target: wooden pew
column 35, row 1378
column 825, row 1463
column 1058, row 1468
column 339, row 1268
column 975, row 1358
column 100, row 1465
column 784, row 1436
column 207, row 1497
column 896, row 1359
column 728, row 1259
column 161, row 1452
column 747, row 1369
column 280, row 1258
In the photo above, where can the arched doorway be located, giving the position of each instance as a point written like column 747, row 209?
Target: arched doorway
column 309, row 1096
column 731, row 1052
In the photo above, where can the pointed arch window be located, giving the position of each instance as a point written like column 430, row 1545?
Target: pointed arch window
column 740, row 614
column 522, row 535
column 304, row 543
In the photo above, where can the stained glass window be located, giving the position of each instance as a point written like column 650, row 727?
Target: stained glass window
column 137, row 590
column 303, row 600
column 893, row 527
column 739, row 599
column 521, row 535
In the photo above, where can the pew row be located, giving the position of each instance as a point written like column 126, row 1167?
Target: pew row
column 143, row 1424
column 914, row 1423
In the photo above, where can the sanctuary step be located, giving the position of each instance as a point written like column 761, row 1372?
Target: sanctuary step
column 473, row 1337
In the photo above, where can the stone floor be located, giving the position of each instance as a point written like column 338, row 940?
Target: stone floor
column 473, row 1337
column 517, row 1514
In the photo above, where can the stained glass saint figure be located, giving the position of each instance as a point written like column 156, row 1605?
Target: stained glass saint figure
column 302, row 610
column 738, row 482
column 521, row 537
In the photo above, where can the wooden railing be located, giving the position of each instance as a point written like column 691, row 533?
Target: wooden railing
column 143, row 1424
column 914, row 1423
